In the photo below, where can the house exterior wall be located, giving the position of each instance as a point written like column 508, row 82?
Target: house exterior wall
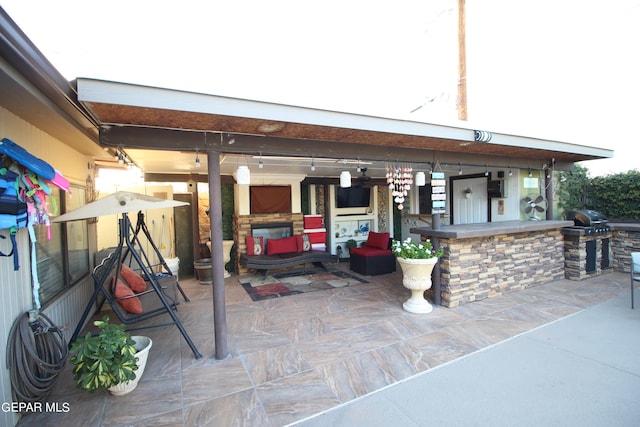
column 15, row 292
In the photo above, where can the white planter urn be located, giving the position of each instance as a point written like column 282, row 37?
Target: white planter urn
column 142, row 346
column 416, row 276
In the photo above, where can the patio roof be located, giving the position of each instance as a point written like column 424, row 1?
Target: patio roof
column 143, row 117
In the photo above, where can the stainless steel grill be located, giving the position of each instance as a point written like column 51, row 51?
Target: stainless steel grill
column 591, row 222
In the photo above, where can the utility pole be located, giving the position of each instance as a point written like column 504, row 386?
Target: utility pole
column 462, row 62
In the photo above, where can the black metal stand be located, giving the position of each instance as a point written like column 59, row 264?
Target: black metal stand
column 142, row 226
column 114, row 262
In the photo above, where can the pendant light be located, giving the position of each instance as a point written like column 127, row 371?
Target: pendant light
column 243, row 175
column 345, row 179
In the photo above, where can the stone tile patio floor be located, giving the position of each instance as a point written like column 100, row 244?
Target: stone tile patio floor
column 299, row 355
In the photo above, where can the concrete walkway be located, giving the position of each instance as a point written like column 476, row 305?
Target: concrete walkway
column 581, row 370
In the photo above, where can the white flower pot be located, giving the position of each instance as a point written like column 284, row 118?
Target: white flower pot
column 416, row 276
column 142, row 345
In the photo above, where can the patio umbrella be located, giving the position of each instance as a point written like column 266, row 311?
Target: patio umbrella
column 117, row 203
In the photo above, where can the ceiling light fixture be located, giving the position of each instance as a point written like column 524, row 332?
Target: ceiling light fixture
column 345, row 179
column 243, row 175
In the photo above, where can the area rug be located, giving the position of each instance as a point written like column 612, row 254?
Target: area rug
column 296, row 282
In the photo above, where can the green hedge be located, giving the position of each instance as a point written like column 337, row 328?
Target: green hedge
column 616, row 196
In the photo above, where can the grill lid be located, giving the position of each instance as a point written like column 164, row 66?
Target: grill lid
column 585, row 218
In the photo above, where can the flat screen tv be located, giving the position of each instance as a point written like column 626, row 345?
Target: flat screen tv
column 353, row 197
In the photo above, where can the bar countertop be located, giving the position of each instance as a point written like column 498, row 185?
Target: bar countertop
column 467, row 231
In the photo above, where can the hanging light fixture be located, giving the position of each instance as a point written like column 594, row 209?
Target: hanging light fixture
column 510, row 171
column 197, row 159
column 345, row 179
column 260, row 163
column 486, row 170
column 243, row 175
column 459, row 169
column 530, row 174
column 421, row 179
column 313, row 164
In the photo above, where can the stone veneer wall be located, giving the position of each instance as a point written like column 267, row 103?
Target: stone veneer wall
column 575, row 255
column 484, row 267
column 624, row 241
column 242, row 228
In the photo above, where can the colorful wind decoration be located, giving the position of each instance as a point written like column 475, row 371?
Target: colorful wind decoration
column 400, row 180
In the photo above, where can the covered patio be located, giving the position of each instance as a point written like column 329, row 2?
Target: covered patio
column 296, row 356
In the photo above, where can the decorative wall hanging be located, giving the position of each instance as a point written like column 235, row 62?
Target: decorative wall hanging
column 400, row 180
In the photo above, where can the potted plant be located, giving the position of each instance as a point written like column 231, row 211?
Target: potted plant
column 416, row 261
column 112, row 359
column 350, row 244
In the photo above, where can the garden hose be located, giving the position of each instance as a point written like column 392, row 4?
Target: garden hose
column 36, row 353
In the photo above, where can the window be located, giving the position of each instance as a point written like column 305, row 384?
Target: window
column 63, row 259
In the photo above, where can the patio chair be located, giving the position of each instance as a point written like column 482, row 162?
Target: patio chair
column 635, row 272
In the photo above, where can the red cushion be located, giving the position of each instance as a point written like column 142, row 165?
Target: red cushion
column 367, row 251
column 378, row 240
column 133, row 279
column 317, row 236
column 255, row 245
column 282, row 246
column 132, row 305
column 303, row 243
column 313, row 221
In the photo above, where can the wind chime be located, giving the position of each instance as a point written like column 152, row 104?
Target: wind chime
column 400, row 179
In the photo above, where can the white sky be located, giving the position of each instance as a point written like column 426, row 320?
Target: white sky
column 562, row 70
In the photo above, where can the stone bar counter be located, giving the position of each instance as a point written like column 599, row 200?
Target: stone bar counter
column 489, row 259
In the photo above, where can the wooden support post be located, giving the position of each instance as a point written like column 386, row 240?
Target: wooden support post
column 462, row 62
column 217, row 256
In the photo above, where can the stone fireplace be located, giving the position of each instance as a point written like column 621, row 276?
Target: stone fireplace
column 264, row 224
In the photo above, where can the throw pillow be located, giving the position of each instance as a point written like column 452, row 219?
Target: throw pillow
column 378, row 240
column 255, row 245
column 133, row 279
column 282, row 246
column 132, row 304
column 304, row 244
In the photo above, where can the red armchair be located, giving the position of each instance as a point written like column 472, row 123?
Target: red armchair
column 375, row 257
